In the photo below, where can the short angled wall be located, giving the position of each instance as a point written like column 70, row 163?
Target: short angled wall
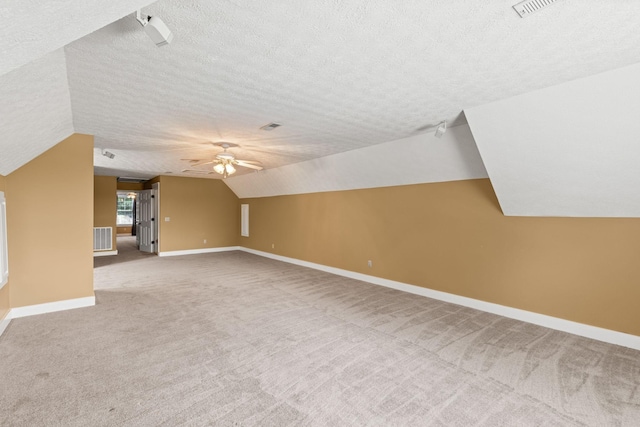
column 452, row 237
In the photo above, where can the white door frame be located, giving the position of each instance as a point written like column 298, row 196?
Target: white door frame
column 156, row 209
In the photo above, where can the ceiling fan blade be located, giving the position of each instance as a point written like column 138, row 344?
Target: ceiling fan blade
column 197, row 171
column 253, row 162
column 249, row 165
column 202, row 162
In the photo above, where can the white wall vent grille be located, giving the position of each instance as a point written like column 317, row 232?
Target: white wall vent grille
column 244, row 220
column 102, row 238
column 527, row 7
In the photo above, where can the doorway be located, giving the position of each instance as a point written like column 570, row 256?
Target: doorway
column 136, row 218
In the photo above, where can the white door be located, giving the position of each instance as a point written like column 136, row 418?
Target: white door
column 146, row 220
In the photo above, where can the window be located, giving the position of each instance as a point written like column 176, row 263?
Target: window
column 125, row 210
column 4, row 255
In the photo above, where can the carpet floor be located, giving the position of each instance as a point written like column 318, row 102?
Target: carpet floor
column 234, row 339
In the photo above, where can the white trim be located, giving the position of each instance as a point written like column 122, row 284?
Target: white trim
column 200, row 251
column 588, row 331
column 5, row 322
column 4, row 250
column 156, row 232
column 105, row 253
column 50, row 307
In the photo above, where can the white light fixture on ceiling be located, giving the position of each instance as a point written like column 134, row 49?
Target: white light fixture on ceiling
column 155, row 29
column 441, row 129
column 224, row 167
column 108, row 154
column 224, row 163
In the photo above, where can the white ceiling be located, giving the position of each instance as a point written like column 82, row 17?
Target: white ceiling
column 30, row 125
column 31, row 29
column 566, row 150
column 413, row 160
column 339, row 76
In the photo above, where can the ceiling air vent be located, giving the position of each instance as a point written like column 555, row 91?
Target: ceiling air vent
column 527, row 7
column 270, row 126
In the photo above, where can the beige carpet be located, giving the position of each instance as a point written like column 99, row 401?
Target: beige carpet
column 233, row 339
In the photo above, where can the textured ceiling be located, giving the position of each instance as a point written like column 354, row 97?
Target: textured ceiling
column 30, row 125
column 29, row 29
column 339, row 76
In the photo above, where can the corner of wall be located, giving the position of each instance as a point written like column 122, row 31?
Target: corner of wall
column 62, row 246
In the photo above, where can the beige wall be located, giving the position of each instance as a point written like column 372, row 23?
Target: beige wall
column 50, row 220
column 124, row 229
column 199, row 209
column 130, row 186
column 452, row 237
column 105, row 204
column 5, row 305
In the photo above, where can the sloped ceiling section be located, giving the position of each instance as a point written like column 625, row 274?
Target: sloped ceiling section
column 30, row 29
column 568, row 150
column 35, row 110
column 414, row 160
column 339, row 76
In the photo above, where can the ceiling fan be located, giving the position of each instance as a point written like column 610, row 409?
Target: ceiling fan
column 224, row 163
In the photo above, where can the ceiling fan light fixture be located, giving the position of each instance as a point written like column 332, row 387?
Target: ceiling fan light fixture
column 219, row 168
column 223, row 163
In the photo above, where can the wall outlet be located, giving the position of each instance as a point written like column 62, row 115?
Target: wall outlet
column 369, row 263
column 205, row 240
column 167, row 219
column 273, row 246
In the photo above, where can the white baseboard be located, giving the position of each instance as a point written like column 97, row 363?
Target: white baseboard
column 199, row 251
column 105, row 253
column 588, row 331
column 50, row 307
column 5, row 322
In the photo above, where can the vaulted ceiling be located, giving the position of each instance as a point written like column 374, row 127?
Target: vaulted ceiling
column 341, row 77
